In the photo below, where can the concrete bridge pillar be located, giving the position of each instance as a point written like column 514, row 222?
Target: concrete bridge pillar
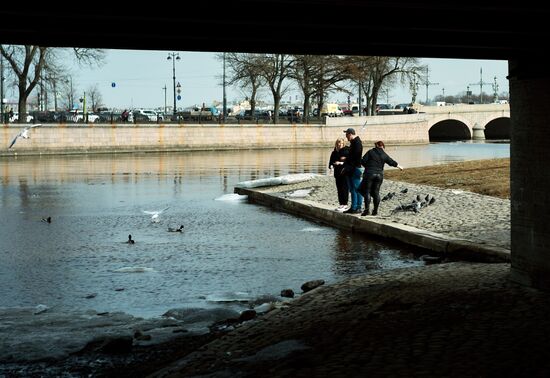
column 529, row 171
column 478, row 132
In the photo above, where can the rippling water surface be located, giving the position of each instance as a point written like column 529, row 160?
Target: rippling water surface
column 228, row 249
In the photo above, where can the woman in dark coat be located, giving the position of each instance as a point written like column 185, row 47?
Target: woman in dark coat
column 336, row 163
column 374, row 161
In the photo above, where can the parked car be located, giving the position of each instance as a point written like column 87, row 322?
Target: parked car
column 402, row 106
column 205, row 112
column 258, row 114
column 383, row 106
column 405, row 108
column 150, row 115
column 106, row 116
column 63, row 116
column 139, row 116
column 331, row 110
column 44, row 116
column 384, row 109
column 80, row 117
column 347, row 112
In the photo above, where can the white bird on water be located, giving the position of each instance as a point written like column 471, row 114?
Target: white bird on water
column 155, row 214
column 24, row 133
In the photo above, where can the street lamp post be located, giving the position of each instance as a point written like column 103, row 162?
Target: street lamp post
column 224, row 97
column 495, row 91
column 2, row 117
column 360, row 99
column 414, row 89
column 164, row 99
column 178, row 91
column 173, row 57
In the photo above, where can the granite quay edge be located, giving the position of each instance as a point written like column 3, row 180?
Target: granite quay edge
column 438, row 243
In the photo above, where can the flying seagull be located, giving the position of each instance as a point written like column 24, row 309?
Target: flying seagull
column 24, row 133
column 155, row 214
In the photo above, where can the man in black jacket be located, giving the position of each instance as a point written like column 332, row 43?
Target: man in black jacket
column 374, row 161
column 354, row 170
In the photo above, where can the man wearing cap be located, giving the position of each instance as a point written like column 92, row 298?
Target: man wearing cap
column 353, row 166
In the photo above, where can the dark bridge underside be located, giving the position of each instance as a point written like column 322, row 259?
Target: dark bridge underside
column 499, row 128
column 459, row 29
column 449, row 130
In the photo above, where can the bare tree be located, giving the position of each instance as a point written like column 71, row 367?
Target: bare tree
column 374, row 73
column 28, row 63
column 275, row 69
column 317, row 76
column 69, row 94
column 386, row 71
column 53, row 80
column 95, row 97
column 244, row 73
column 55, row 74
column 88, row 57
column 331, row 77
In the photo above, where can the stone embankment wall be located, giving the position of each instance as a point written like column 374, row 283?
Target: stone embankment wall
column 92, row 138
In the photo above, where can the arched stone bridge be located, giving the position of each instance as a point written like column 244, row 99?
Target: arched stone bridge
column 457, row 122
column 490, row 121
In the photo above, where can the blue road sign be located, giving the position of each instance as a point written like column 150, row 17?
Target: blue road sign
column 179, row 97
column 113, row 84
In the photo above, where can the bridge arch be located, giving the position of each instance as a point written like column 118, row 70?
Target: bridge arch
column 498, row 128
column 449, row 129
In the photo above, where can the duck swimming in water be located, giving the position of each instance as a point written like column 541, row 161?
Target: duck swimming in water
column 179, row 229
column 47, row 220
column 130, row 240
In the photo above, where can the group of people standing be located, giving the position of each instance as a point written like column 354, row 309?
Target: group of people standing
column 358, row 176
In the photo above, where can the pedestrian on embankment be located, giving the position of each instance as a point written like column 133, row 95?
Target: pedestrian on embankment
column 354, row 170
column 336, row 165
column 374, row 161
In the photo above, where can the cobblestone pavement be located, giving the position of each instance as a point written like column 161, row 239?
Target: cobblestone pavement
column 455, row 213
column 457, row 319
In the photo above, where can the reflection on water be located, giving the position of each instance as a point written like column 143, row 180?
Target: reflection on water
column 81, row 259
column 358, row 254
column 246, row 165
column 441, row 153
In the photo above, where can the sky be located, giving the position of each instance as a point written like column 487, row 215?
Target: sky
column 133, row 79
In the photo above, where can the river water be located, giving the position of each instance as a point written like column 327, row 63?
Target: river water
column 230, row 252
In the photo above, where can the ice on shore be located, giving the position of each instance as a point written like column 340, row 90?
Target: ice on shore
column 232, row 197
column 280, row 180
